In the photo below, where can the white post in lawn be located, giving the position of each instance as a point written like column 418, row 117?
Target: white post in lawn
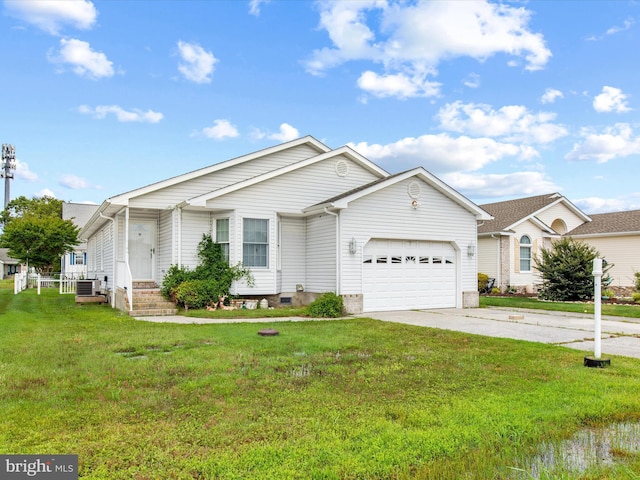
column 597, row 281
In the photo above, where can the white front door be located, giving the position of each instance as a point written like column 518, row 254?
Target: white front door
column 142, row 249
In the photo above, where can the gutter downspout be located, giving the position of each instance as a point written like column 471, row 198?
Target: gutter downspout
column 115, row 254
column 338, row 251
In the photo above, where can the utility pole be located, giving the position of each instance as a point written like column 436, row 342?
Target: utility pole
column 6, row 171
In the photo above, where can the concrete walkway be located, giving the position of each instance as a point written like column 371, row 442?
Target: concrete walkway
column 620, row 335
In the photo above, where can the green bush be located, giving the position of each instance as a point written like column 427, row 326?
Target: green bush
column 567, row 270
column 173, row 278
column 637, row 274
column 483, row 281
column 329, row 305
column 636, row 297
column 197, row 293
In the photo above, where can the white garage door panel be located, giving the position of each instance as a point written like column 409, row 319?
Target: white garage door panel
column 406, row 274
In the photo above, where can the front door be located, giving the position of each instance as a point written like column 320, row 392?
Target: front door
column 142, row 249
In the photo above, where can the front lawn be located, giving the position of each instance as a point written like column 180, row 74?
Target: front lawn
column 513, row 301
column 347, row 399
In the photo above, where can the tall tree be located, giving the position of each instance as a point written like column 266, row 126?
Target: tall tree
column 35, row 233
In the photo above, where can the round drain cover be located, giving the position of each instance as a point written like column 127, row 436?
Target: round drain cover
column 268, row 332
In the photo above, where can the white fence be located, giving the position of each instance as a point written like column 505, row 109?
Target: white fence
column 66, row 283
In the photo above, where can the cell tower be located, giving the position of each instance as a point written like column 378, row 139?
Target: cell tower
column 6, row 172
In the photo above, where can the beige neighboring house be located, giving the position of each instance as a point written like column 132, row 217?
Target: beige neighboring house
column 521, row 227
column 8, row 266
column 617, row 237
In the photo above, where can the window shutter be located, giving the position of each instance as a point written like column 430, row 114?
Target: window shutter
column 534, row 253
column 516, row 255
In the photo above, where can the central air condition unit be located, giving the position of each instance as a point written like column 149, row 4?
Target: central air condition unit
column 87, row 288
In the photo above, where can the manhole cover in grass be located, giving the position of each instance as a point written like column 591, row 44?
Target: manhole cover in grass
column 268, row 332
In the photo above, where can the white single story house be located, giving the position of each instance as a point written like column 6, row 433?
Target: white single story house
column 306, row 219
column 508, row 244
column 8, row 266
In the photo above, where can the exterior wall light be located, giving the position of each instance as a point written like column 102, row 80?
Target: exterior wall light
column 471, row 250
column 353, row 246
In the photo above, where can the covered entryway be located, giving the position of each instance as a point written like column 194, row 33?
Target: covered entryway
column 142, row 249
column 408, row 274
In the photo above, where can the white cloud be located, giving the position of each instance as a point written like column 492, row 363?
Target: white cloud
column 492, row 185
column 22, row 171
column 604, row 205
column 45, row 192
column 443, row 153
column 255, row 5
column 73, row 182
column 611, row 100
column 616, row 141
column 625, row 26
column 414, row 38
column 472, row 81
column 221, row 129
column 135, row 115
column 397, row 85
column 286, row 133
column 197, row 64
column 83, row 60
column 512, row 122
column 551, row 95
column 52, row 15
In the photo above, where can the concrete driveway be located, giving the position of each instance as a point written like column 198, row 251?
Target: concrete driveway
column 620, row 335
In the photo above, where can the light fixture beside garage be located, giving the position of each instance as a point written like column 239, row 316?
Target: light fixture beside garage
column 353, row 246
column 471, row 250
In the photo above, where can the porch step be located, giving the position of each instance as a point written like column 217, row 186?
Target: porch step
column 150, row 302
column 138, row 285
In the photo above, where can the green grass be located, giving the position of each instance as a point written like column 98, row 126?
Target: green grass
column 348, row 399
column 632, row 311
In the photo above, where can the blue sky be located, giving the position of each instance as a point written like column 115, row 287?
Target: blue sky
column 499, row 99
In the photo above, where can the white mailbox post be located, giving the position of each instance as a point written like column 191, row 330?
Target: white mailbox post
column 596, row 361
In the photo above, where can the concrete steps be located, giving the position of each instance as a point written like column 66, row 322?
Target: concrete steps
column 148, row 301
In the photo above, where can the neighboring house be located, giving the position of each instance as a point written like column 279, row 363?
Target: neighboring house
column 617, row 237
column 74, row 264
column 8, row 266
column 508, row 243
column 306, row 220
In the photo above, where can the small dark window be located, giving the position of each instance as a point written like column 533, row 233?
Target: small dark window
column 424, row 259
column 396, row 259
column 382, row 259
column 285, row 301
column 437, row 259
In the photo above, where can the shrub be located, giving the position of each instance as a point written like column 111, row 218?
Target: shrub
column 495, row 290
column 197, row 293
column 636, row 297
column 566, row 270
column 329, row 305
column 173, row 278
column 637, row 274
column 483, row 281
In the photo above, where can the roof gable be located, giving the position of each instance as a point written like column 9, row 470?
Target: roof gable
column 509, row 214
column 343, row 200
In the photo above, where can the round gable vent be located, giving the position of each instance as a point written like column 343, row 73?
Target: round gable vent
column 414, row 190
column 342, row 168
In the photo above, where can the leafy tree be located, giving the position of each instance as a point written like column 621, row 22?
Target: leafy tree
column 567, row 270
column 35, row 233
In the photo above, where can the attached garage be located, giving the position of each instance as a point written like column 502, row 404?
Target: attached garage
column 408, row 274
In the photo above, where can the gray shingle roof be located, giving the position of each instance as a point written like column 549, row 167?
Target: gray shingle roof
column 615, row 222
column 509, row 212
column 6, row 259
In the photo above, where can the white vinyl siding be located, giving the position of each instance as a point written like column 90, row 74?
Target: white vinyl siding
column 560, row 211
column 293, row 253
column 210, row 182
column 194, row 225
column 321, row 254
column 621, row 250
column 164, row 249
column 489, row 256
column 518, row 276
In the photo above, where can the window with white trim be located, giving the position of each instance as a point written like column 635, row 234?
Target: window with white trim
column 222, row 236
column 255, row 242
column 525, row 253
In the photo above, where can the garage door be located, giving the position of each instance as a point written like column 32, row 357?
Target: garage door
column 408, row 274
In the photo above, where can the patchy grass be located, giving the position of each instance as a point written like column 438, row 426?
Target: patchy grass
column 348, row 399
column 632, row 311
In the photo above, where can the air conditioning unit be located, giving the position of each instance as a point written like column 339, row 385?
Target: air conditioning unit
column 87, row 288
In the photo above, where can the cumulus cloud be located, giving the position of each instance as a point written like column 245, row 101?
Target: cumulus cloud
column 45, row 192
column 512, row 122
column 611, row 100
column 472, row 80
column 286, row 134
column 135, row 115
column 442, row 153
column 221, row 129
column 83, row 60
column 197, row 64
column 397, row 85
column 410, row 40
column 604, row 205
column 615, row 141
column 73, row 182
column 52, row 15
column 509, row 184
column 23, row 172
column 551, row 95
